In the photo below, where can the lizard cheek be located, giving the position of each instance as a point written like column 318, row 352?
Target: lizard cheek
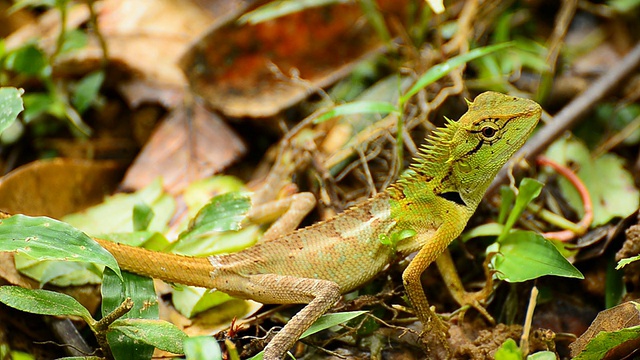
column 464, row 166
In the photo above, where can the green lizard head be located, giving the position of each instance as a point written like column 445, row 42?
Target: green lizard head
column 463, row 158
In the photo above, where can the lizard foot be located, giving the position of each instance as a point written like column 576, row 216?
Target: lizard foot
column 434, row 339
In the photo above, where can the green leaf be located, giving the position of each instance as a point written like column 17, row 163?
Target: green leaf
column 624, row 262
column 490, row 229
column 114, row 215
column 540, row 256
column 529, row 189
column 43, row 302
column 202, row 348
column 29, row 60
column 190, row 300
column 87, row 90
column 141, row 291
column 612, row 189
column 73, row 40
column 223, row 213
column 507, row 197
column 324, row 322
column 10, row 106
column 43, row 238
column 542, row 355
column 142, row 216
column 602, row 343
column 158, row 333
column 357, row 107
column 440, row 70
column 38, row 104
column 509, row 350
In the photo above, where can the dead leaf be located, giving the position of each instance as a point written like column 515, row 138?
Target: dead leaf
column 58, row 187
column 617, row 318
column 259, row 70
column 192, row 143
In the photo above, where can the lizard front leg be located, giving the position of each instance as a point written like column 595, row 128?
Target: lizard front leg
column 319, row 295
column 432, row 248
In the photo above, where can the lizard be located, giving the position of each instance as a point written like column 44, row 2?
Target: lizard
column 423, row 211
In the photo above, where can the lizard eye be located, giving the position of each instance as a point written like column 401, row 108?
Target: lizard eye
column 489, row 132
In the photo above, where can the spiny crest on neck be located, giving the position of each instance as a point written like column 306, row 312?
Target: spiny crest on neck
column 432, row 156
column 435, row 152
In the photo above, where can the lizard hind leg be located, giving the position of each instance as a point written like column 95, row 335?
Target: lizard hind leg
column 319, row 295
column 291, row 211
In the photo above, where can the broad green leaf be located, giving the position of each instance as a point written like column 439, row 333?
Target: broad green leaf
column 357, row 107
column 525, row 255
column 202, row 348
column 87, row 90
column 59, row 273
column 43, row 238
column 114, row 215
column 440, row 70
column 10, row 106
column 611, row 187
column 602, row 343
column 28, row 60
column 529, row 189
column 158, row 333
column 38, row 104
column 43, row 302
column 324, row 322
column 145, row 305
column 509, row 350
column 190, row 300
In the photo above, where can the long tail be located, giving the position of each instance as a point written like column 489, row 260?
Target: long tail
column 173, row 268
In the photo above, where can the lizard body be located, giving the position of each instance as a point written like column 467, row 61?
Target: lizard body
column 433, row 201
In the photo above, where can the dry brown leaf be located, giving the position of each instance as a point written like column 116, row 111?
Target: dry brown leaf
column 259, row 70
column 58, row 187
column 192, row 143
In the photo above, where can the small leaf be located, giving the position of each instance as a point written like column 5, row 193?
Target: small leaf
column 158, row 333
column 357, row 107
column 43, row 302
column 74, row 40
column 624, row 262
column 540, row 256
column 509, row 350
column 142, row 216
column 28, row 60
column 542, row 355
column 87, row 90
column 223, row 213
column 10, row 106
column 202, row 348
column 43, row 238
column 529, row 189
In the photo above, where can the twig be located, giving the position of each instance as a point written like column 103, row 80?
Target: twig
column 574, row 111
column 524, row 340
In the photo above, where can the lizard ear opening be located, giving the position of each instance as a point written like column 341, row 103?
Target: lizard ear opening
column 453, row 196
